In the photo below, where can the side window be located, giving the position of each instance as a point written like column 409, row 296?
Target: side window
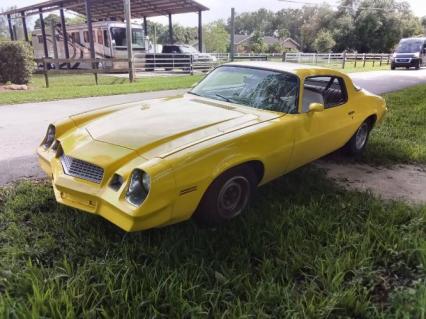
column 100, row 37
column 75, row 36
column 106, row 39
column 327, row 90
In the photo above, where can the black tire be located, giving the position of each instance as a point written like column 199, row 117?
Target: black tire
column 407, row 67
column 358, row 142
column 419, row 63
column 393, row 67
column 227, row 197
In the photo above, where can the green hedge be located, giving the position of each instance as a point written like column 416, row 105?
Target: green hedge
column 16, row 62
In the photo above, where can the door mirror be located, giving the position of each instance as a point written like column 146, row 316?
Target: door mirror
column 316, row 107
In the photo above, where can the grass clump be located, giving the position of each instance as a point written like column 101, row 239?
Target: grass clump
column 305, row 249
column 402, row 137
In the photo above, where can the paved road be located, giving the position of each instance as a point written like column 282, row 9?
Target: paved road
column 22, row 127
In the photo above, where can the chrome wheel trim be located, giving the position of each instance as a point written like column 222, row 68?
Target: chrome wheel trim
column 233, row 197
column 361, row 136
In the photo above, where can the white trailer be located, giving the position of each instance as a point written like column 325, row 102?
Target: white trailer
column 109, row 38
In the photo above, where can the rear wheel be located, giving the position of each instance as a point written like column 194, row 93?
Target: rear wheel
column 227, row 197
column 359, row 140
column 419, row 63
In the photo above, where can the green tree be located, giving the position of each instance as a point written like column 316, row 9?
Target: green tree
column 216, row 37
column 275, row 48
column 256, row 44
column 324, row 41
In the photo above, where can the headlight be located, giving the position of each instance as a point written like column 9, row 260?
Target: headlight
column 50, row 136
column 139, row 186
column 417, row 55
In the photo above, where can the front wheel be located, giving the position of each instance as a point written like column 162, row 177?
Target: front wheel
column 227, row 197
column 359, row 140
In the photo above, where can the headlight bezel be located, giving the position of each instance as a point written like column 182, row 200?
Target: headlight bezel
column 138, row 187
column 50, row 137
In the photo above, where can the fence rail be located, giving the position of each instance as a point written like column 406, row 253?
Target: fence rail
column 187, row 63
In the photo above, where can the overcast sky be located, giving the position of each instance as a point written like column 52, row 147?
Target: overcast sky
column 220, row 9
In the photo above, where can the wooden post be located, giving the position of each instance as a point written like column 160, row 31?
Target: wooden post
column 171, row 29
column 45, row 71
column 284, row 56
column 9, row 20
column 374, row 60
column 91, row 40
column 381, row 59
column 344, row 60
column 145, row 26
column 232, row 46
column 363, row 60
column 128, row 18
column 356, row 58
column 55, row 44
column 65, row 35
column 43, row 33
column 24, row 26
column 200, row 31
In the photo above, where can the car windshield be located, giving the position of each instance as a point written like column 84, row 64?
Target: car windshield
column 257, row 88
column 409, row 47
column 120, row 38
column 188, row 49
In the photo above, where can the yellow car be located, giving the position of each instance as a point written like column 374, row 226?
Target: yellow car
column 154, row 163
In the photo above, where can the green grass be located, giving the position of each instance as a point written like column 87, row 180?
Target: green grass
column 402, row 136
column 75, row 86
column 305, row 249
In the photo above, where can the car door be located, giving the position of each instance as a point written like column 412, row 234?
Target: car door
column 321, row 133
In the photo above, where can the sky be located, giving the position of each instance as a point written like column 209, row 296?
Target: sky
column 221, row 9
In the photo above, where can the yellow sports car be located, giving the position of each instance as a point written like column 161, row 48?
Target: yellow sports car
column 154, row 163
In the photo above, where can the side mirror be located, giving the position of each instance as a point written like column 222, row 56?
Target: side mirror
column 316, row 107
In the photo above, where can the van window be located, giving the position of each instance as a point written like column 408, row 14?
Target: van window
column 410, row 46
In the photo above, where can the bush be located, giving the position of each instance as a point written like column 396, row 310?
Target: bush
column 16, row 62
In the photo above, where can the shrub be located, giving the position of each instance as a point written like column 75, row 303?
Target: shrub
column 16, row 62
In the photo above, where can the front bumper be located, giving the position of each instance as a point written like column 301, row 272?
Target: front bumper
column 405, row 62
column 100, row 199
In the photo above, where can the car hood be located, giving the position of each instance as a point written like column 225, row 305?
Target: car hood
column 162, row 127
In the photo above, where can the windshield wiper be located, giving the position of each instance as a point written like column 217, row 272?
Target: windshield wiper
column 227, row 99
column 196, row 94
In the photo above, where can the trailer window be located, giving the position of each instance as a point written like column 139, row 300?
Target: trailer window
column 86, row 36
column 120, row 38
column 75, row 36
column 100, row 37
column 106, row 39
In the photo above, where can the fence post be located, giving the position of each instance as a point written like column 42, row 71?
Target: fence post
column 388, row 59
column 284, row 56
column 374, row 60
column 95, row 65
column 363, row 58
column 191, row 67
column 45, row 71
column 381, row 58
column 356, row 58
column 298, row 58
column 329, row 58
column 344, row 60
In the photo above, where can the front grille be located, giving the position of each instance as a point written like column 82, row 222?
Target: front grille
column 81, row 169
column 403, row 60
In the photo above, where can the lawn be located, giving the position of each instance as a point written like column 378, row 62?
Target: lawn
column 74, row 86
column 305, row 249
column 402, row 137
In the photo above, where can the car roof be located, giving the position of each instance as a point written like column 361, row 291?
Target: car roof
column 300, row 70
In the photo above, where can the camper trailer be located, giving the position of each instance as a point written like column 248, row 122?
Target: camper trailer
column 109, row 38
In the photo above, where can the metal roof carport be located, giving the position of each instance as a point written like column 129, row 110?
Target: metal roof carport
column 96, row 10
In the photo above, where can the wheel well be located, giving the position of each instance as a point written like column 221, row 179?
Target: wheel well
column 257, row 167
column 372, row 119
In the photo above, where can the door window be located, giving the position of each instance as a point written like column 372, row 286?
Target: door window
column 327, row 90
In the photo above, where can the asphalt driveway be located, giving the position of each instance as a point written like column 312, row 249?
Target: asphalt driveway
column 22, row 127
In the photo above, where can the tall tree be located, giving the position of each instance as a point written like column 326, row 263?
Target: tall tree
column 216, row 37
